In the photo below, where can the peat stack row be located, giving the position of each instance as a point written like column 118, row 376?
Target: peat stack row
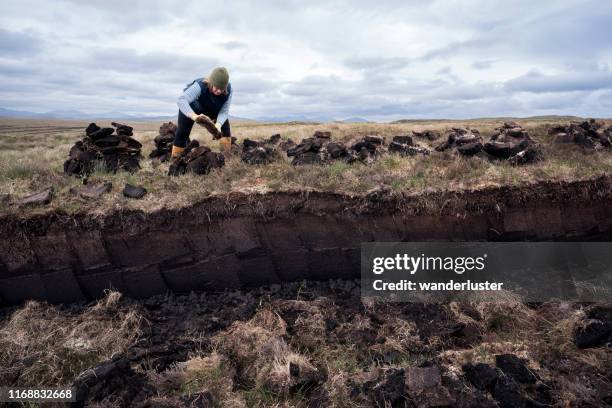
column 310, row 149
column 588, row 134
column 427, row 134
column 320, row 149
column 163, row 142
column 511, row 142
column 370, row 148
column 196, row 159
column 366, row 150
column 467, row 142
column 405, row 146
column 508, row 142
column 260, row 152
column 115, row 149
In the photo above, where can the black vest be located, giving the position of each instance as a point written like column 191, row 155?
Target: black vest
column 208, row 103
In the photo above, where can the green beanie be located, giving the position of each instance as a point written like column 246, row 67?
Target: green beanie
column 219, row 77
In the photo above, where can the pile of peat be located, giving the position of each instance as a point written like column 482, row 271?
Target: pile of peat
column 321, row 149
column 115, row 151
column 197, row 159
column 511, row 142
column 591, row 135
column 508, row 142
column 260, row 151
column 163, row 142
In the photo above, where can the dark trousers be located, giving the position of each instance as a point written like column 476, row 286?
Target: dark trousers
column 184, row 129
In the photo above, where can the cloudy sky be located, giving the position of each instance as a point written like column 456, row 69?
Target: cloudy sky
column 380, row 60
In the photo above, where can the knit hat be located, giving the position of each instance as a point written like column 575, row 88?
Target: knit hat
column 219, row 78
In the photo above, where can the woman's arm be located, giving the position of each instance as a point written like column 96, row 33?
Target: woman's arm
column 191, row 94
column 224, row 112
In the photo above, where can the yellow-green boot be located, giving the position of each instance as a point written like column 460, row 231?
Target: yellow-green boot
column 177, row 150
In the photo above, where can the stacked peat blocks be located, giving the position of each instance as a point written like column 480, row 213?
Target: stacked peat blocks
column 310, row 149
column 467, row 142
column 405, row 146
column 508, row 142
column 511, row 142
column 366, row 150
column 163, row 142
column 320, row 149
column 113, row 149
column 589, row 134
column 426, row 134
column 260, row 152
column 196, row 159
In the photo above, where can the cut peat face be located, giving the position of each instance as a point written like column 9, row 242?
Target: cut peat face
column 245, row 240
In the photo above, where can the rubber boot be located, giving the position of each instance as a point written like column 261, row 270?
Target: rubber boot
column 177, row 150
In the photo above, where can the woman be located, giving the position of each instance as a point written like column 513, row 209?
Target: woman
column 204, row 96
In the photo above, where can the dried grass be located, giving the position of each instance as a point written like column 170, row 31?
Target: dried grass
column 212, row 373
column 52, row 346
column 263, row 358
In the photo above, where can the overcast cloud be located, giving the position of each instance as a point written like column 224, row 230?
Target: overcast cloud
column 381, row 60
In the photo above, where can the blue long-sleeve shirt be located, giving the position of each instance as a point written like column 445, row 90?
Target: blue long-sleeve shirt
column 192, row 93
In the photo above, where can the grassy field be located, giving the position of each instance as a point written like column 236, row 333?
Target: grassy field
column 32, row 153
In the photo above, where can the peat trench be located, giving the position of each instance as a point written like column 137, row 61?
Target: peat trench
column 245, row 240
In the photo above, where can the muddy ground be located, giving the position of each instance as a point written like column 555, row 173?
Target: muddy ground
column 306, row 344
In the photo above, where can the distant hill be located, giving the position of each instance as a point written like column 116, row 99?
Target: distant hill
column 295, row 118
column 354, row 120
column 77, row 115
column 17, row 114
column 120, row 116
column 239, row 119
column 551, row 118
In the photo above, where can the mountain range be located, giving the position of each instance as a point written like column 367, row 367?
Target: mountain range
column 77, row 115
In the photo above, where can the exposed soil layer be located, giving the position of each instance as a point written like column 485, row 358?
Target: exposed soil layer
column 242, row 240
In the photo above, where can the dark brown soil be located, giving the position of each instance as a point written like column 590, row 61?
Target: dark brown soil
column 255, row 339
column 339, row 351
column 243, row 240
